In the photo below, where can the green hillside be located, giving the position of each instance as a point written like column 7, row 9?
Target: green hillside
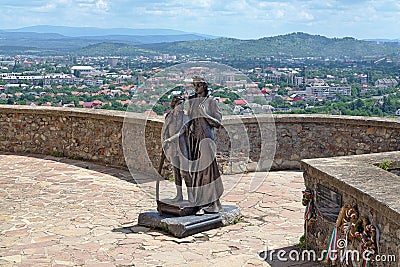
column 290, row 45
column 113, row 49
column 287, row 46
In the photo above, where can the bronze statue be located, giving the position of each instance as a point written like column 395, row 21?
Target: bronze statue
column 204, row 116
column 189, row 146
column 175, row 147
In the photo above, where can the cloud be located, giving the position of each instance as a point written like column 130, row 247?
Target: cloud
column 102, row 5
column 235, row 18
column 45, row 8
column 22, row 4
column 305, row 16
column 90, row 6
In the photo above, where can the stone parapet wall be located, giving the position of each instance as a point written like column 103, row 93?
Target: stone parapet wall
column 96, row 135
column 362, row 184
column 75, row 133
column 315, row 136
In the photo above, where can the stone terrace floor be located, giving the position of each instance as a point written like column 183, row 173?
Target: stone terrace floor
column 59, row 212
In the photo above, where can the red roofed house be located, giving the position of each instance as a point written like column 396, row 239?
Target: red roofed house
column 297, row 98
column 150, row 113
column 89, row 105
column 240, row 102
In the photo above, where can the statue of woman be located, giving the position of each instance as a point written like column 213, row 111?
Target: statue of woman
column 204, row 116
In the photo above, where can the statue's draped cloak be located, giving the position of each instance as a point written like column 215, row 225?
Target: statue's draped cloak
column 206, row 178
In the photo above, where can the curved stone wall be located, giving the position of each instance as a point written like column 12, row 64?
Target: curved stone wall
column 75, row 133
column 96, row 135
column 315, row 136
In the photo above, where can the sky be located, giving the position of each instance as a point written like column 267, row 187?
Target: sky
column 243, row 19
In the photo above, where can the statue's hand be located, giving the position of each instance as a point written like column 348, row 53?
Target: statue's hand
column 167, row 141
column 202, row 106
column 212, row 121
column 203, row 109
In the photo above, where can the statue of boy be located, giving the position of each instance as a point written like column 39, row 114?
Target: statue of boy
column 176, row 148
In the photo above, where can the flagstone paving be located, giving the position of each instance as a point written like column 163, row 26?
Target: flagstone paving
column 61, row 212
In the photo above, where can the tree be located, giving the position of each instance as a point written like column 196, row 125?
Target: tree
column 259, row 100
column 107, row 106
column 279, row 103
column 358, row 104
column 355, row 91
column 300, row 104
column 160, row 109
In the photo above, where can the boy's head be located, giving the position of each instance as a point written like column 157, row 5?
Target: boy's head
column 176, row 100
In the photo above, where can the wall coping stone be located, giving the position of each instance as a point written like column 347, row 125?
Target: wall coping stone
column 112, row 115
column 115, row 115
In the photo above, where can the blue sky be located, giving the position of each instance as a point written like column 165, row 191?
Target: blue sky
column 244, row 19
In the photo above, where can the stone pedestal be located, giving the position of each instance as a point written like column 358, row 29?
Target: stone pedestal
column 189, row 225
column 181, row 208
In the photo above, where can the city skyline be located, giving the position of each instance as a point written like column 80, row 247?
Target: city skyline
column 243, row 19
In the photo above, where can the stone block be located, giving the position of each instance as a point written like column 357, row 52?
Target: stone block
column 189, row 225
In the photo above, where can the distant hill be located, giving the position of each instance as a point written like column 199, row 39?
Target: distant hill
column 113, row 49
column 97, row 32
column 62, row 42
column 290, row 45
column 93, row 31
column 143, row 39
column 42, row 41
column 384, row 40
column 60, row 38
column 29, row 35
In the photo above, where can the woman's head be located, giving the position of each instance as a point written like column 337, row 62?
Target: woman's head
column 200, row 85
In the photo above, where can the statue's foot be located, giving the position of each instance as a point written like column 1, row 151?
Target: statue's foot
column 190, row 197
column 211, row 209
column 214, row 207
column 200, row 212
column 178, row 197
